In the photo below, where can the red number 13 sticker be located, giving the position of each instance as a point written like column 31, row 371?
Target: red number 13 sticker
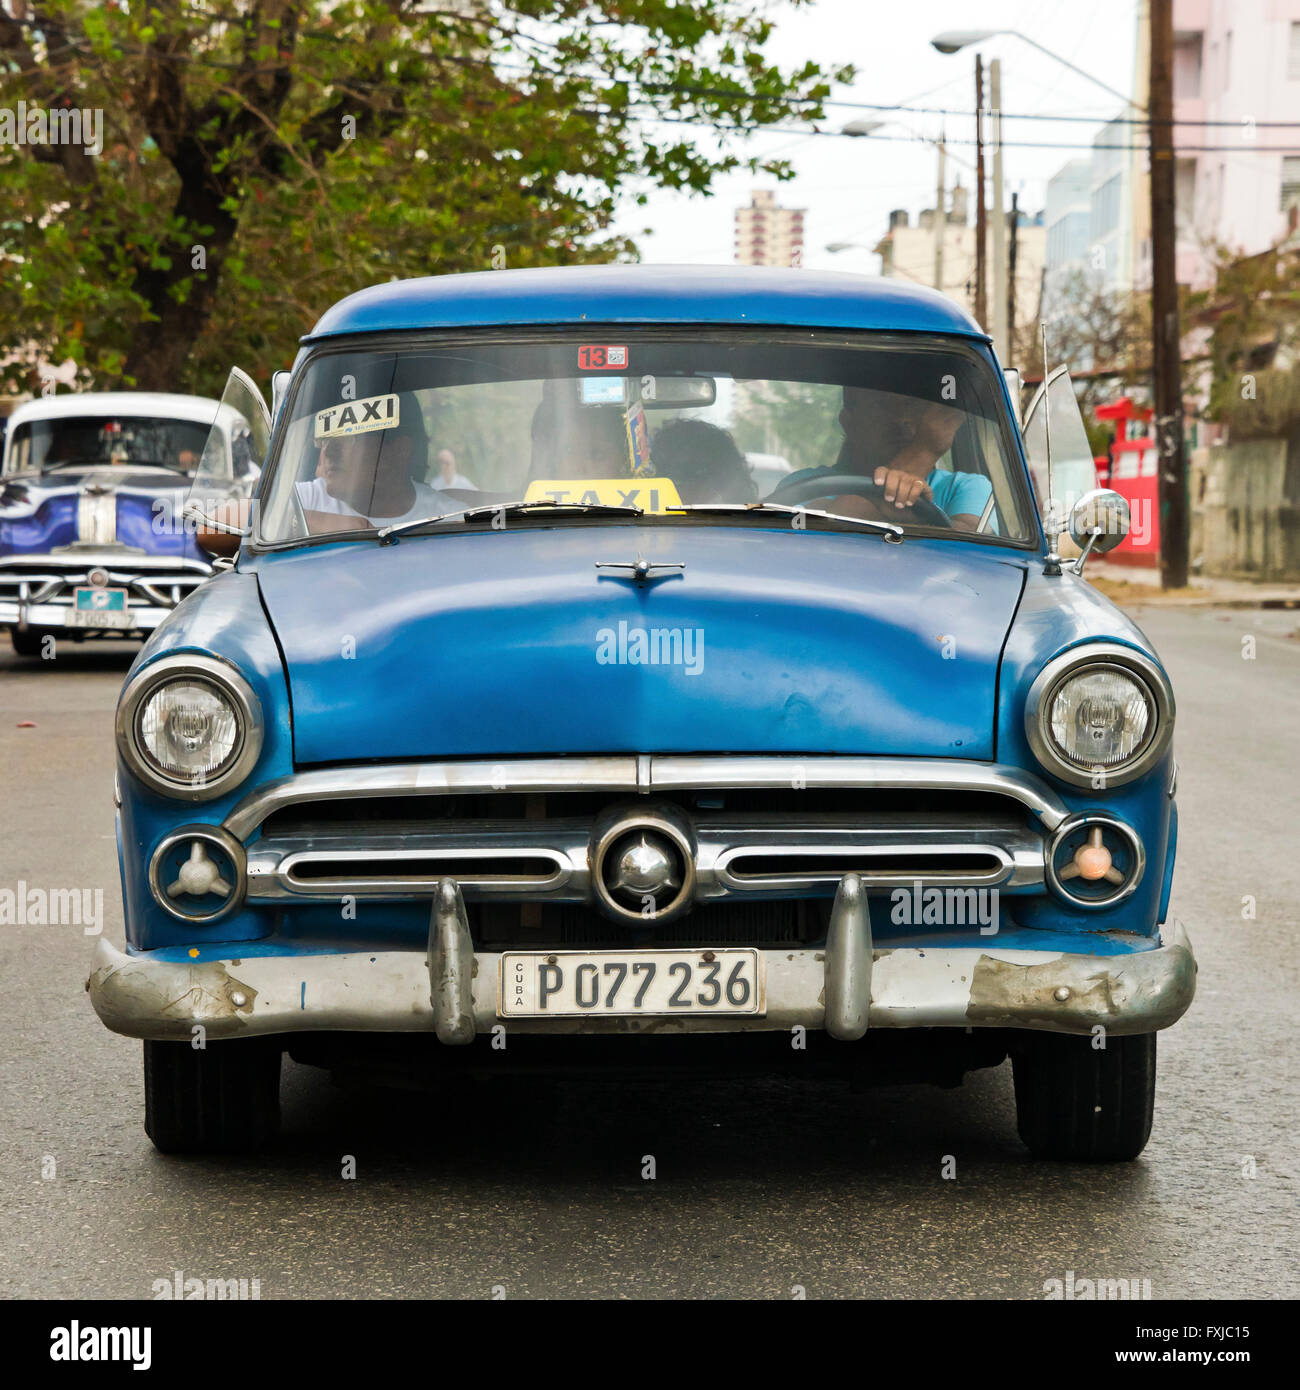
column 595, row 359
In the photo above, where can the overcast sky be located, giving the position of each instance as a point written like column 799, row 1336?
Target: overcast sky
column 848, row 186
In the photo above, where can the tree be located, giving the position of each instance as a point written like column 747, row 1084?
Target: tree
column 261, row 158
column 1102, row 335
column 1252, row 314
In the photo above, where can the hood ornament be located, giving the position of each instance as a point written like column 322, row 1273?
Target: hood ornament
column 641, row 570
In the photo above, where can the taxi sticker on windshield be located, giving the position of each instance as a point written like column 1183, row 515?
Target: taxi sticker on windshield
column 651, row 494
column 358, row 417
column 594, row 358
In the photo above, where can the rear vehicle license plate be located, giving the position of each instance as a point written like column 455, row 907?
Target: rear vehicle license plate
column 99, row 608
column 567, row 984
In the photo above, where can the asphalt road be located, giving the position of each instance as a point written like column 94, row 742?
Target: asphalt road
column 536, row 1189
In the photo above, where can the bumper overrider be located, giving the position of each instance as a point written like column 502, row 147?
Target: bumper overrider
column 454, row 990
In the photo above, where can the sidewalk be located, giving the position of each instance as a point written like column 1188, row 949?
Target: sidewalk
column 1127, row 584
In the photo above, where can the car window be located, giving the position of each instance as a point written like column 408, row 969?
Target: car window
column 75, row 441
column 657, row 421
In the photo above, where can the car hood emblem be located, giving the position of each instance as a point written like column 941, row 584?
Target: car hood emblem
column 641, row 570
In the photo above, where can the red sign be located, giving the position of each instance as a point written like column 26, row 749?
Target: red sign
column 602, row 359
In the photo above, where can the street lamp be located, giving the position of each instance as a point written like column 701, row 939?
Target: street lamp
column 954, row 40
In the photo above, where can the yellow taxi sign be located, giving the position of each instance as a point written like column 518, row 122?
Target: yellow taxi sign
column 650, row 494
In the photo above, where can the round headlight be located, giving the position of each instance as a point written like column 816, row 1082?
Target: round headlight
column 189, row 727
column 1099, row 717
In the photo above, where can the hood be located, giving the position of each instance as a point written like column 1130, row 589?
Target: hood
column 512, row 642
column 133, row 507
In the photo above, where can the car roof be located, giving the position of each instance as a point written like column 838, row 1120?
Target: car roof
column 647, row 294
column 155, row 403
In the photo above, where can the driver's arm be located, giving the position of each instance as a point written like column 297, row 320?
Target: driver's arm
column 319, row 522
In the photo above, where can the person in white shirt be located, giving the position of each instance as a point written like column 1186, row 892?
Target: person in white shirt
column 371, row 478
column 447, row 475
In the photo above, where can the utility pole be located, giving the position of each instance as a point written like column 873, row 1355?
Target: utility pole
column 1167, row 385
column 1011, row 279
column 981, row 304
column 999, row 327
column 940, row 220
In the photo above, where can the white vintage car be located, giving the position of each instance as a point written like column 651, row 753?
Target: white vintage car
column 91, row 489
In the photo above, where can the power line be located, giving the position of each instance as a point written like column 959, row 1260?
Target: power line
column 951, row 140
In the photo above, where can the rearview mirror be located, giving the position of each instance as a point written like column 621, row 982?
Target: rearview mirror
column 678, row 392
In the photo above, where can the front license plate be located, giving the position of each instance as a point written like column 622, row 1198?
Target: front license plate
column 568, row 984
column 99, row 608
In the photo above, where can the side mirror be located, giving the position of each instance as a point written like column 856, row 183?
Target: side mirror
column 1099, row 520
column 219, row 533
column 1015, row 387
column 279, row 389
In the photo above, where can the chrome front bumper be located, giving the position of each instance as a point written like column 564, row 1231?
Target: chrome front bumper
column 55, row 617
column 453, row 990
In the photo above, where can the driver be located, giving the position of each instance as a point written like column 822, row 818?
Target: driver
column 897, row 441
column 372, row 478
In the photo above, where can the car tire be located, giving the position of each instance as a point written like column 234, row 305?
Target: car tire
column 28, row 641
column 223, row 1098
column 1083, row 1103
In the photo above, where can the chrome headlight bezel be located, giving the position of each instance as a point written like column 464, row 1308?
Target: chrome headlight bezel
column 208, row 671
column 1100, row 656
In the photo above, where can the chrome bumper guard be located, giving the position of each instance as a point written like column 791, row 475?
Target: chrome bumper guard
column 453, row 990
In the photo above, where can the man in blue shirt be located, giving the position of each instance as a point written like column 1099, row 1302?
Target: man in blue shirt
column 897, row 441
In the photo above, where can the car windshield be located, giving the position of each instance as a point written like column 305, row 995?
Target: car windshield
column 78, row 441
column 906, row 430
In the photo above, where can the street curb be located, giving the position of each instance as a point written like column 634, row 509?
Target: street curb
column 1244, row 603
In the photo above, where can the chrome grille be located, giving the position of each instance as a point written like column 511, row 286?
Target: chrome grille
column 45, row 579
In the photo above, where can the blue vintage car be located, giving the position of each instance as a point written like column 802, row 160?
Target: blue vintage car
column 523, row 724
column 92, row 541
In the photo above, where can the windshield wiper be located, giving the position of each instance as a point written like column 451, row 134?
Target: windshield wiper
column 731, row 508
column 388, row 534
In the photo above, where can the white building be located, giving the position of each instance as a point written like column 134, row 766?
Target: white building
column 768, row 234
column 907, row 251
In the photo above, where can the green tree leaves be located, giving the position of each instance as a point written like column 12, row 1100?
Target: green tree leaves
column 261, row 160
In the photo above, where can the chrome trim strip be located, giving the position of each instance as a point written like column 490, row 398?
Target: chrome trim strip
column 79, row 559
column 619, row 773
column 558, row 870
column 613, row 774
column 678, row 773
column 566, row 845
column 862, row 855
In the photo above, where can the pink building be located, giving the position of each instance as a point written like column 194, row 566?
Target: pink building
column 1236, row 62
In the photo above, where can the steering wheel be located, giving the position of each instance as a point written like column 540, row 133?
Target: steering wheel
column 833, row 484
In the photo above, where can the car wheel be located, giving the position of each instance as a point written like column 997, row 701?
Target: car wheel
column 1076, row 1101
column 28, row 641
column 223, row 1098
